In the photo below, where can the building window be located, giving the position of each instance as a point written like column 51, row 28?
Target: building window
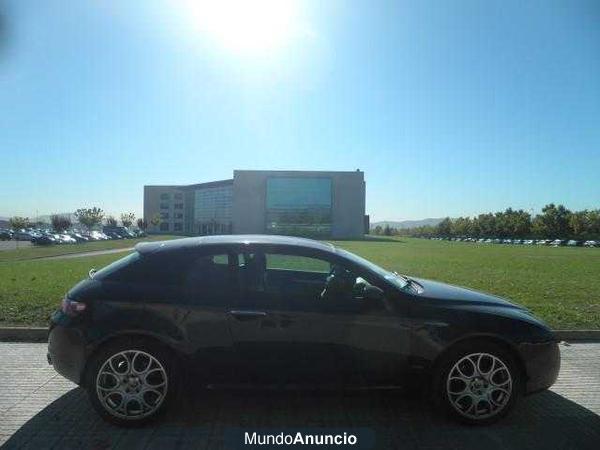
column 164, row 206
column 178, row 206
column 178, row 215
column 164, row 215
column 178, row 196
column 299, row 206
column 164, row 226
column 165, row 196
column 177, row 226
column 212, row 209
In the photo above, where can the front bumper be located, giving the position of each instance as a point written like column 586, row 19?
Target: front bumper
column 542, row 364
column 66, row 352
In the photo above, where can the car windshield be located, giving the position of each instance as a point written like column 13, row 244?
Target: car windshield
column 392, row 277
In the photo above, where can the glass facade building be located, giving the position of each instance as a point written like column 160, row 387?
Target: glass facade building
column 301, row 203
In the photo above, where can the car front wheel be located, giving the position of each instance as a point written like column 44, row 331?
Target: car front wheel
column 477, row 384
column 129, row 383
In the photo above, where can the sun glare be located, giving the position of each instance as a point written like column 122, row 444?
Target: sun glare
column 251, row 26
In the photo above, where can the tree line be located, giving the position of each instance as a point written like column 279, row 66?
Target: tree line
column 554, row 222
column 88, row 217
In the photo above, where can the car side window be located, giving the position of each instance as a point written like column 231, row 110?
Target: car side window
column 211, row 279
column 287, row 281
column 296, row 262
column 277, row 281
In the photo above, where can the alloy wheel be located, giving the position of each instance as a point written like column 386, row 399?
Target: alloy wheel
column 131, row 384
column 479, row 386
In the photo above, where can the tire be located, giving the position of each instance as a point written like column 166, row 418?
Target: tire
column 477, row 382
column 131, row 381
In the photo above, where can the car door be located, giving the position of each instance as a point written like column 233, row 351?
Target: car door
column 359, row 322
column 278, row 338
column 293, row 326
column 373, row 329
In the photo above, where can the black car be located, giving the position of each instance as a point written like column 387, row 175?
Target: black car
column 289, row 312
column 43, row 239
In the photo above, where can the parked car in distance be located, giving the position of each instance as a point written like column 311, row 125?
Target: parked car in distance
column 43, row 239
column 590, row 244
column 5, row 235
column 274, row 310
column 574, row 243
column 557, row 243
column 121, row 232
column 98, row 236
column 66, row 239
column 22, row 236
column 78, row 237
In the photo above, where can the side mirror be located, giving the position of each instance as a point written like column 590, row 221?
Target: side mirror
column 372, row 293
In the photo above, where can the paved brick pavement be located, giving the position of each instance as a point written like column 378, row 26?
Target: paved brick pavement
column 39, row 409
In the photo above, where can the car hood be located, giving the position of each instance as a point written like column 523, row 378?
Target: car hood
column 459, row 295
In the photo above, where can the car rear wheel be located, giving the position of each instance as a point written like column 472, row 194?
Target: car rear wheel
column 129, row 383
column 477, row 383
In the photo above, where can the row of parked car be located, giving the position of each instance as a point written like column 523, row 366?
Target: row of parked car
column 550, row 242
column 48, row 237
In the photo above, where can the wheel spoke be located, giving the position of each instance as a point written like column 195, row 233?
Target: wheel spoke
column 462, row 380
column 145, row 369
column 459, row 370
column 498, row 371
column 488, row 372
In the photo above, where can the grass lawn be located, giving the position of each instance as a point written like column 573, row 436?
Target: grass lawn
column 51, row 250
column 561, row 285
column 31, row 290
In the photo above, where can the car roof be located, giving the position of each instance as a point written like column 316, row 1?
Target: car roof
column 231, row 239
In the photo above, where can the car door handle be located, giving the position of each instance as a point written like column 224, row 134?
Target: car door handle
column 247, row 315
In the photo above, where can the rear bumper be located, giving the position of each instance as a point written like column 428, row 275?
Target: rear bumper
column 542, row 364
column 66, row 352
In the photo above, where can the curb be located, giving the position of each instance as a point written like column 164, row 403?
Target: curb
column 577, row 335
column 40, row 334
column 23, row 334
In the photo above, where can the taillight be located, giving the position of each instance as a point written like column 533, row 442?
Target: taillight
column 71, row 307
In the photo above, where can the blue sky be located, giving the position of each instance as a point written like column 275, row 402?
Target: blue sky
column 450, row 108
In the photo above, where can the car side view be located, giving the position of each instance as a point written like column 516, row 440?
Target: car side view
column 285, row 311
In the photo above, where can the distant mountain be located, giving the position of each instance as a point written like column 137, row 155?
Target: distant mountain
column 406, row 223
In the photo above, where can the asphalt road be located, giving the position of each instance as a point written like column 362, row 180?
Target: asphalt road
column 39, row 409
column 13, row 245
column 84, row 254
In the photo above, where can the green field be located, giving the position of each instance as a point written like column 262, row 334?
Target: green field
column 32, row 252
column 561, row 285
